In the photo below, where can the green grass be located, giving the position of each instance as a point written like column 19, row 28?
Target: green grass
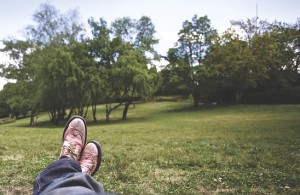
column 171, row 148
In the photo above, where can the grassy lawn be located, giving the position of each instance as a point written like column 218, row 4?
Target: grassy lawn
column 171, row 148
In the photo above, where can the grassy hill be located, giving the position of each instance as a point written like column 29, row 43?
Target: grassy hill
column 171, row 148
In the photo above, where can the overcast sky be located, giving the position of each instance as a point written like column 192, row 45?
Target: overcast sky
column 166, row 15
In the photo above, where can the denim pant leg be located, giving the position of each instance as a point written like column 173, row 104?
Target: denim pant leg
column 65, row 177
column 55, row 170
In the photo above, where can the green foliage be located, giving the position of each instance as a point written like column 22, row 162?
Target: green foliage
column 195, row 38
column 57, row 69
column 234, row 67
column 17, row 68
column 62, row 70
column 17, row 98
column 59, row 73
column 51, row 25
column 45, row 68
column 169, row 148
column 123, row 59
column 236, row 72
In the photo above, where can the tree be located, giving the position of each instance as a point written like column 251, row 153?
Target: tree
column 51, row 61
column 278, row 51
column 145, row 37
column 4, row 107
column 57, row 58
column 130, row 70
column 264, row 62
column 19, row 96
column 18, row 67
column 249, row 28
column 55, row 76
column 51, row 25
column 195, row 38
column 133, row 78
column 233, row 62
column 80, row 91
column 115, row 50
column 18, row 100
column 140, row 34
column 175, row 75
column 100, row 49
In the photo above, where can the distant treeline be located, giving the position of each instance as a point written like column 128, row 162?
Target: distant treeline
column 260, row 64
column 61, row 70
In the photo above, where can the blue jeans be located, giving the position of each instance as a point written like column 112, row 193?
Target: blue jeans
column 64, row 176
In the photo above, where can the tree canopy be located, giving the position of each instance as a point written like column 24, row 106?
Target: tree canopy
column 260, row 64
column 69, row 71
column 60, row 70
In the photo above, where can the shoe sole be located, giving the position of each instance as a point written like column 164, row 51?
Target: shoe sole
column 99, row 157
column 67, row 125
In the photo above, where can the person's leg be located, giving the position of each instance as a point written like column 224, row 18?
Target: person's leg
column 57, row 169
column 72, row 180
column 74, row 138
column 65, row 177
column 72, row 173
column 74, row 183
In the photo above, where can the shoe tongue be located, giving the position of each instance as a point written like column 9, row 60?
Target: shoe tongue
column 69, row 150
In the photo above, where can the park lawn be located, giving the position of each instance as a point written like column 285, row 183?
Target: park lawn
column 171, row 148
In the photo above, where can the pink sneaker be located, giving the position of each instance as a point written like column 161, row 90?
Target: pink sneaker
column 74, row 137
column 91, row 158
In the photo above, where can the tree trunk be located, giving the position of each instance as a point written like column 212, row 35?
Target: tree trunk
column 238, row 96
column 109, row 110
column 125, row 110
column 107, row 113
column 70, row 113
column 196, row 102
column 107, row 116
column 86, row 110
column 196, row 99
column 94, row 109
column 31, row 120
column 52, row 115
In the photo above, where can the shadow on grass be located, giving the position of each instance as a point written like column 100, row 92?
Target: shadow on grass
column 192, row 108
column 180, row 108
column 117, row 121
column 49, row 125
